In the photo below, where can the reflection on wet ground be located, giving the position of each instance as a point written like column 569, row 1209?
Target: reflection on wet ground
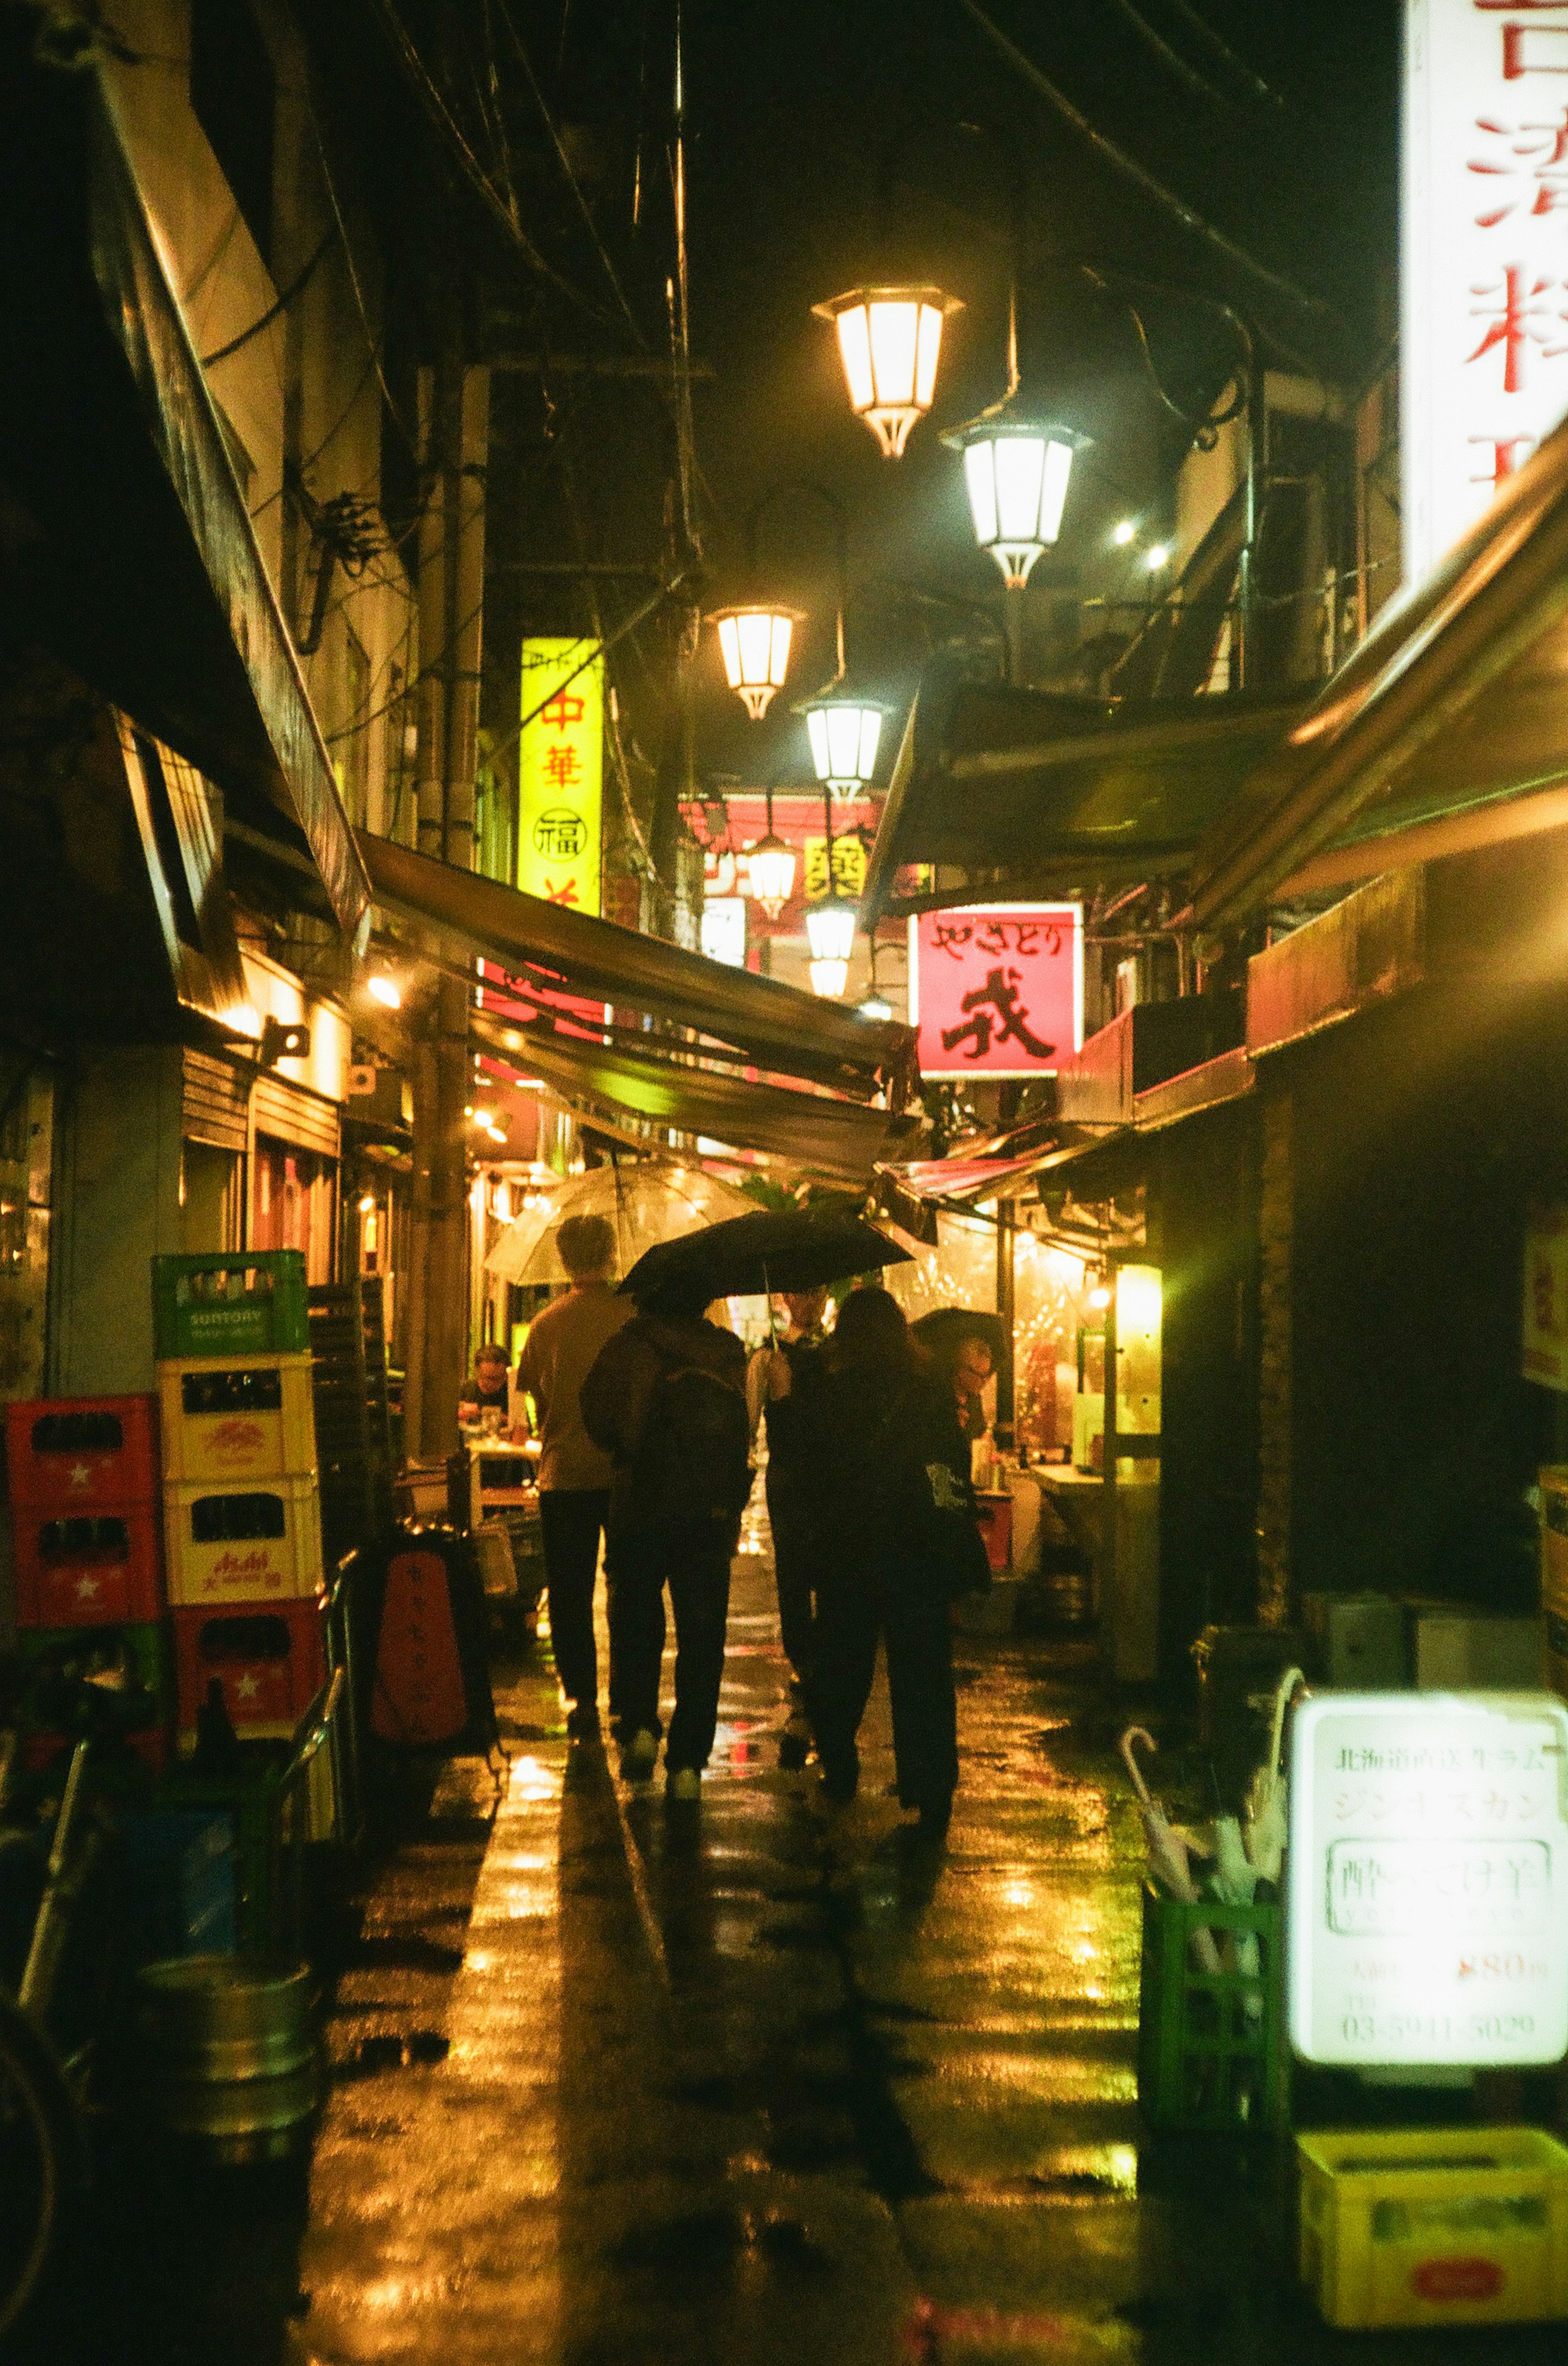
column 617, row 2084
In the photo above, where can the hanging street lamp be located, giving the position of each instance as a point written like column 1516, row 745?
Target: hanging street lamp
column 844, row 733
column 830, row 927
column 1015, row 473
column 770, row 868
column 890, row 341
column 754, row 645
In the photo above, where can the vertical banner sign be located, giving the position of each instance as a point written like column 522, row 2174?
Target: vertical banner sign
column 1484, row 327
column 560, row 774
column 996, row 990
column 1428, row 1906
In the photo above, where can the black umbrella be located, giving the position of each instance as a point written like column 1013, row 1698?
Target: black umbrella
column 748, row 1256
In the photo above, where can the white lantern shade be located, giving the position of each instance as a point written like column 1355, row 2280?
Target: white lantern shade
column 770, row 867
column 830, row 930
column 890, row 341
column 754, row 645
column 1016, row 477
column 844, row 734
column 829, row 978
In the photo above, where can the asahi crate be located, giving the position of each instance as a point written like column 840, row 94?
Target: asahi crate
column 237, row 1417
column 260, row 1541
column 243, row 1304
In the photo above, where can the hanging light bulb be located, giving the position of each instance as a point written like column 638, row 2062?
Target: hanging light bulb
column 754, row 645
column 890, row 341
column 770, row 869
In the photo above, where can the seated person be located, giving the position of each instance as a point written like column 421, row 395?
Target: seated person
column 489, row 1390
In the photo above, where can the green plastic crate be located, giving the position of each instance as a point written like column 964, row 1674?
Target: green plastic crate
column 1212, row 2055
column 55, row 1658
column 238, row 1305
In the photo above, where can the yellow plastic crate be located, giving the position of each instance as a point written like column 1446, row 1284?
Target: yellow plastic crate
column 235, row 1417
column 251, row 1540
column 1434, row 2226
column 1554, row 1573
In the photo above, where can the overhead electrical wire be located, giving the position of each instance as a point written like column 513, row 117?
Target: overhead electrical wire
column 1169, row 57
column 1190, row 219
column 1222, row 49
column 275, row 310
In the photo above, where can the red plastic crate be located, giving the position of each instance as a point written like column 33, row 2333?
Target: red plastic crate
column 89, row 1569
column 270, row 1659
column 38, row 1751
column 83, row 1454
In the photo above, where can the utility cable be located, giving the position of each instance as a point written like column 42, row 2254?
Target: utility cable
column 1162, row 50
column 572, row 180
column 1128, row 167
column 1222, row 49
column 297, row 286
column 373, row 338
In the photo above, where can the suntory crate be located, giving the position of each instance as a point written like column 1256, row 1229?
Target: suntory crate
column 236, row 1417
column 243, row 1304
column 255, row 1540
column 1434, row 2226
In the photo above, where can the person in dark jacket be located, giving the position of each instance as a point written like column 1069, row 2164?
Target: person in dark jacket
column 896, row 1540
column 665, row 1399
column 790, row 1481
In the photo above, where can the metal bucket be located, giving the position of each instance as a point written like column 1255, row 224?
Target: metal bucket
column 228, row 2053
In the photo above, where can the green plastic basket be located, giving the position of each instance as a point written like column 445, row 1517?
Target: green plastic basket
column 1212, row 2054
column 240, row 1305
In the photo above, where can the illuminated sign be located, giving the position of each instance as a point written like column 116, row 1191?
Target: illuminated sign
column 1483, row 326
column 996, row 990
column 1545, row 1345
column 1427, row 1908
column 724, row 929
column 848, row 868
column 560, row 772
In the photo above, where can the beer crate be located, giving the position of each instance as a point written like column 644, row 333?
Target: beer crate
column 1434, row 2226
column 243, row 1304
column 260, row 1541
column 270, row 1661
column 1555, row 1572
column 87, row 1569
column 237, row 1417
column 81, row 1453
column 55, row 1661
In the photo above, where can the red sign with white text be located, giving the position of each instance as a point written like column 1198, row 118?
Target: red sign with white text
column 996, row 990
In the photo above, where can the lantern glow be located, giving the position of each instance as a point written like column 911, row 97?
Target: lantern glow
column 890, row 341
column 754, row 645
column 829, row 978
column 1016, row 477
column 770, row 867
column 844, row 734
column 830, row 930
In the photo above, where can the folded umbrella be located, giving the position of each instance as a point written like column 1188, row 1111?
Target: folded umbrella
column 1267, row 1827
column 749, row 1256
column 1167, row 1851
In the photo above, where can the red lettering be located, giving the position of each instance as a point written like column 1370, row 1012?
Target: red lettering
column 1444, row 2280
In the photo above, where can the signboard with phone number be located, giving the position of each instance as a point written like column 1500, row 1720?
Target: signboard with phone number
column 1428, row 1884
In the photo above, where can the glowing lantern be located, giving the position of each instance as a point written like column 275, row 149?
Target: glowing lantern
column 754, row 645
column 770, row 869
column 844, row 734
column 1016, row 475
column 889, row 340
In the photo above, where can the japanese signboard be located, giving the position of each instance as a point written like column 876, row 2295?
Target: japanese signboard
column 1545, row 1346
column 1484, row 363
column 1428, row 1906
column 848, row 868
column 560, row 773
column 724, row 929
column 996, row 990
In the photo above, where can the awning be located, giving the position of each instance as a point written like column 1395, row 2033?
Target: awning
column 1447, row 729
column 768, row 1024
column 123, row 539
column 1029, row 792
column 834, row 1137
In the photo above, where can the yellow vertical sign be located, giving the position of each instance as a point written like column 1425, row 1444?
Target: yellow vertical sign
column 560, row 773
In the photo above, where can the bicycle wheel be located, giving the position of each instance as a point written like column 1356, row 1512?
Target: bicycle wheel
column 43, row 2163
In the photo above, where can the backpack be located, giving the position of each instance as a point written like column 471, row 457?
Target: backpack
column 694, row 1459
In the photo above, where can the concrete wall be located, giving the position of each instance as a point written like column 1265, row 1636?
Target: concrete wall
column 118, row 1180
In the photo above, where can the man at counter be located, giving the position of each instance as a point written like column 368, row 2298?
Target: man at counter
column 489, row 1390
column 574, row 1473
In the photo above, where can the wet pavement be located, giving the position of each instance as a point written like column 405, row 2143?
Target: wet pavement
column 618, row 2084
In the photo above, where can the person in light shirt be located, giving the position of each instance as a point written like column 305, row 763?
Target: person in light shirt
column 574, row 1473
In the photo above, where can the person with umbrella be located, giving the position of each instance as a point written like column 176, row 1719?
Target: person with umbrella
column 666, row 1399
column 789, row 1482
column 897, row 1540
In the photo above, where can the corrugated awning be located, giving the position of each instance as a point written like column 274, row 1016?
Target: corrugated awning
column 758, row 1021
column 1028, row 792
column 834, row 1137
column 1443, row 732
column 124, row 535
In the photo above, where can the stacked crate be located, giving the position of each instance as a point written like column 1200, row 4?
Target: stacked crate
column 90, row 1590
column 241, row 1508
column 348, row 1347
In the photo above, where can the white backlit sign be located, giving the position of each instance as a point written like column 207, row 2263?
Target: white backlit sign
column 1483, row 316
column 1427, row 1905
column 724, row 929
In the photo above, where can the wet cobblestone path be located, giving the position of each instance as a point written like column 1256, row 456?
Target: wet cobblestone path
column 617, row 2084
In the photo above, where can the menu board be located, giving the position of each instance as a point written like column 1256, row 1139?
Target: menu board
column 1427, row 1881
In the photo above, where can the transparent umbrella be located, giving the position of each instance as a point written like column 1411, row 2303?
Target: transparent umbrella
column 647, row 1200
